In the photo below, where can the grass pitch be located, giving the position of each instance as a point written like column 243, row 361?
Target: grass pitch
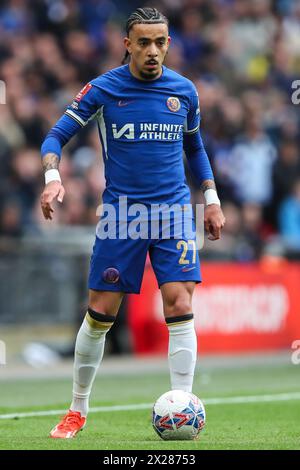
column 253, row 423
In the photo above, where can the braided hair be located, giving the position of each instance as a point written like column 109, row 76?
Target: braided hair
column 145, row 15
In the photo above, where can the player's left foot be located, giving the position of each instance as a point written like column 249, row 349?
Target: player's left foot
column 69, row 426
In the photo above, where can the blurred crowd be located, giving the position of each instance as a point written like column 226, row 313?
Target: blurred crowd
column 243, row 56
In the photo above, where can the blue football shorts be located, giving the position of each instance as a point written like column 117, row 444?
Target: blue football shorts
column 118, row 264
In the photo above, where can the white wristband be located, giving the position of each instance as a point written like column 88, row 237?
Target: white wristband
column 52, row 175
column 211, row 197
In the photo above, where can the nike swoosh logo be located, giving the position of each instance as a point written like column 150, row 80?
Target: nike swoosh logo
column 185, row 270
column 124, row 103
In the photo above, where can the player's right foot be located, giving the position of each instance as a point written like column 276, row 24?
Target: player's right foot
column 69, row 426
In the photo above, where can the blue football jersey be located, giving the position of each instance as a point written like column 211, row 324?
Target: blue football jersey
column 141, row 125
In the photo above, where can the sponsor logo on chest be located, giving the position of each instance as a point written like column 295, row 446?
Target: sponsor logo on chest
column 148, row 131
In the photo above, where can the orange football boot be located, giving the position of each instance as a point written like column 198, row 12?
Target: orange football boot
column 69, row 426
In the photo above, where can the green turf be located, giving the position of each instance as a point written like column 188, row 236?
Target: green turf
column 229, row 426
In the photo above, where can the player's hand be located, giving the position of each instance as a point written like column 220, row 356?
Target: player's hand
column 53, row 190
column 214, row 221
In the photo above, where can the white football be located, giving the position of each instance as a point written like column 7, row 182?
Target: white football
column 178, row 415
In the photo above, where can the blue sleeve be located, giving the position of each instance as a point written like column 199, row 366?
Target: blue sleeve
column 192, row 122
column 86, row 104
column 59, row 135
column 197, row 157
column 83, row 108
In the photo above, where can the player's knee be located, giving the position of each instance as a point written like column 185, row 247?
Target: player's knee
column 178, row 306
column 104, row 309
column 107, row 303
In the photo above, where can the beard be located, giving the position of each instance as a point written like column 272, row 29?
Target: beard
column 149, row 75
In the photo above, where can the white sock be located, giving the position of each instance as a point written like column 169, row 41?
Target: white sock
column 89, row 349
column 182, row 352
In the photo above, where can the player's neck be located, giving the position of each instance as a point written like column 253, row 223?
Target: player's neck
column 137, row 74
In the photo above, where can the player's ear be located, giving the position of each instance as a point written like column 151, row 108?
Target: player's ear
column 127, row 44
column 168, row 44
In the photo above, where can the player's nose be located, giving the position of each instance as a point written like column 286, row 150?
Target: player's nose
column 152, row 50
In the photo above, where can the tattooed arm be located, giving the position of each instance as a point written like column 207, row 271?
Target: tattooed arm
column 207, row 184
column 83, row 109
column 53, row 189
column 200, row 168
column 50, row 162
